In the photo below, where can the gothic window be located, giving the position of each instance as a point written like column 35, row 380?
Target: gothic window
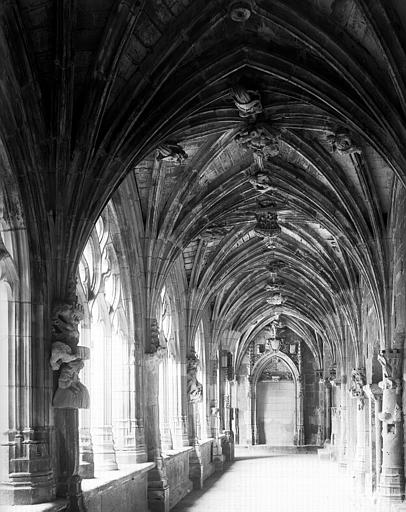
column 166, row 370
column 109, row 427
column 16, row 356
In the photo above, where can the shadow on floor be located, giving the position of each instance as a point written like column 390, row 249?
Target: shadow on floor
column 195, row 495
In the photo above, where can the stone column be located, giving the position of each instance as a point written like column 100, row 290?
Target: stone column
column 391, row 482
column 139, row 408
column 253, row 402
column 179, row 420
column 215, row 412
column 123, row 394
column 320, row 410
column 299, row 437
column 158, row 488
column 343, row 412
column 374, row 394
column 26, row 474
column 327, row 408
column 227, row 376
column 86, row 463
column 357, row 392
column 70, row 394
column 102, row 402
column 195, row 397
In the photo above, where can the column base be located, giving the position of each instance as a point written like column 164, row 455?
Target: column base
column 39, row 489
column 158, row 489
column 390, row 489
column 31, row 479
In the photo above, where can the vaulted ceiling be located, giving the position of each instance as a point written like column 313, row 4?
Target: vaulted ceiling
column 90, row 89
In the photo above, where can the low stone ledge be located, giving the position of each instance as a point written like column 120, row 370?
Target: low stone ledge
column 124, row 489
column 207, row 452
column 177, row 472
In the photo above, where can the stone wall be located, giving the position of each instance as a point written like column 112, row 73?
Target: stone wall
column 177, row 472
column 207, row 452
column 120, row 491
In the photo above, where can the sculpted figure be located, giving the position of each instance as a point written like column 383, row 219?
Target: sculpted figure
column 356, row 390
column 154, row 335
column 61, row 353
column 65, row 323
column 342, row 143
column 260, row 141
column 392, row 389
column 194, row 387
column 247, row 101
column 357, row 383
column 171, row 152
column 71, row 393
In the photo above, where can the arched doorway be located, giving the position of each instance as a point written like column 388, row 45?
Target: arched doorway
column 276, row 401
column 276, row 404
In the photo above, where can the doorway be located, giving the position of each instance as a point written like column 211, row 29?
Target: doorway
column 276, row 407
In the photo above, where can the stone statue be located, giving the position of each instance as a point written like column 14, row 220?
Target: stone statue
column 65, row 323
column 342, row 143
column 391, row 362
column 67, row 356
column 356, row 390
column 194, row 387
column 154, row 336
column 71, row 393
column 358, row 382
column 247, row 101
column 61, row 353
column 171, row 152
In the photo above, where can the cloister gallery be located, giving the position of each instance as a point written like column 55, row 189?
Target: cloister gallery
column 203, row 241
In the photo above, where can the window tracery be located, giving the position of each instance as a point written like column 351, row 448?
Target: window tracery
column 110, row 424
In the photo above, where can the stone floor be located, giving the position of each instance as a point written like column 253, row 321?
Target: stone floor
column 259, row 481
